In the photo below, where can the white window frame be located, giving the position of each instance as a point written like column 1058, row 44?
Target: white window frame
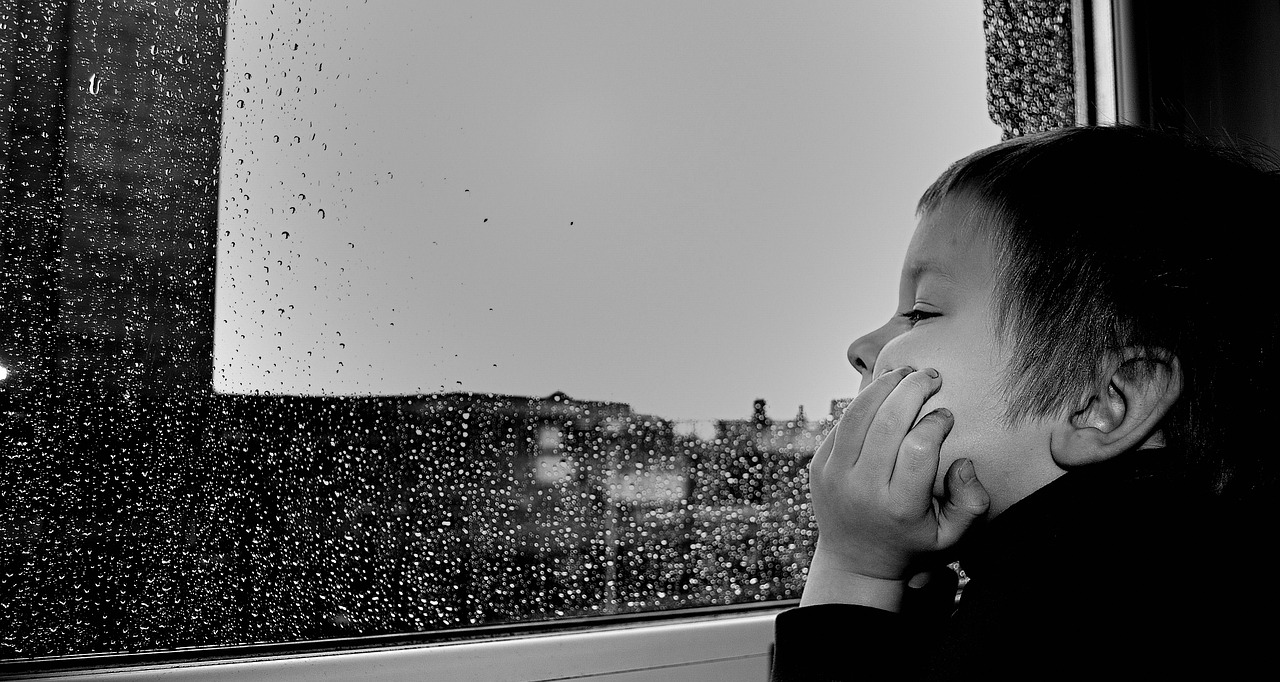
column 736, row 646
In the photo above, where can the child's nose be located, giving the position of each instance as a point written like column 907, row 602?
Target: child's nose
column 864, row 351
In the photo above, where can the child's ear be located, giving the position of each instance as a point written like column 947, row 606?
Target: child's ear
column 1123, row 413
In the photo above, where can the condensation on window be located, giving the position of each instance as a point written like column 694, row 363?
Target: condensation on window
column 384, row 515
column 142, row 510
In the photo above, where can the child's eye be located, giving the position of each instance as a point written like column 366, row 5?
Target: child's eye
column 916, row 316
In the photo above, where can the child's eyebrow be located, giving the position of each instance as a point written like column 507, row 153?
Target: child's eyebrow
column 916, row 270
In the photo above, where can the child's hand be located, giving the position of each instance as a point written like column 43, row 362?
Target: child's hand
column 871, row 484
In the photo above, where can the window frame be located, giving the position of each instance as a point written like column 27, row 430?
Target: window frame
column 705, row 640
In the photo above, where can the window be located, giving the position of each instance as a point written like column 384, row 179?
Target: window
column 422, row 317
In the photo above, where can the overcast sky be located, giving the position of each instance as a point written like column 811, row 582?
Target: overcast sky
column 684, row 206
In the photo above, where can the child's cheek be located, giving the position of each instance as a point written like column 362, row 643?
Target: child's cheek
column 947, row 453
column 970, row 428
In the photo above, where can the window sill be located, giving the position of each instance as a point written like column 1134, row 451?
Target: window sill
column 733, row 646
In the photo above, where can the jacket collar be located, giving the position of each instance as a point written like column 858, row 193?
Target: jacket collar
column 1085, row 511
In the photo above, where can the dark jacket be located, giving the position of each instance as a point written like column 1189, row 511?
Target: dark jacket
column 1115, row 569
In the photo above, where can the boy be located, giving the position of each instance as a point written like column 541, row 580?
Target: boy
column 1071, row 401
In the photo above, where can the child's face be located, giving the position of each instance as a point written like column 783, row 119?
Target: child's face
column 944, row 321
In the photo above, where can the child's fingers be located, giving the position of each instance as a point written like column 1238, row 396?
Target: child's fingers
column 965, row 503
column 823, row 452
column 848, row 436
column 916, row 467
column 893, row 421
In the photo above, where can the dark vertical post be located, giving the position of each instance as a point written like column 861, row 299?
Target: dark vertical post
column 34, row 42
column 110, row 148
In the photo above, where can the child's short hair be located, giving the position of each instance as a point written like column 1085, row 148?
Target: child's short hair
column 1119, row 236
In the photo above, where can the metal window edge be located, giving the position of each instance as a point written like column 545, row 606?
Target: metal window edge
column 528, row 657
column 1097, row 54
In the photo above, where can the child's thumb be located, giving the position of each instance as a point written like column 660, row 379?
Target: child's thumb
column 965, row 502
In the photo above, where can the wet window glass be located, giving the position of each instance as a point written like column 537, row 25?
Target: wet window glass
column 334, row 318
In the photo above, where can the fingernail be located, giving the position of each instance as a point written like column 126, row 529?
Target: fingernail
column 932, row 372
column 966, row 471
column 945, row 413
